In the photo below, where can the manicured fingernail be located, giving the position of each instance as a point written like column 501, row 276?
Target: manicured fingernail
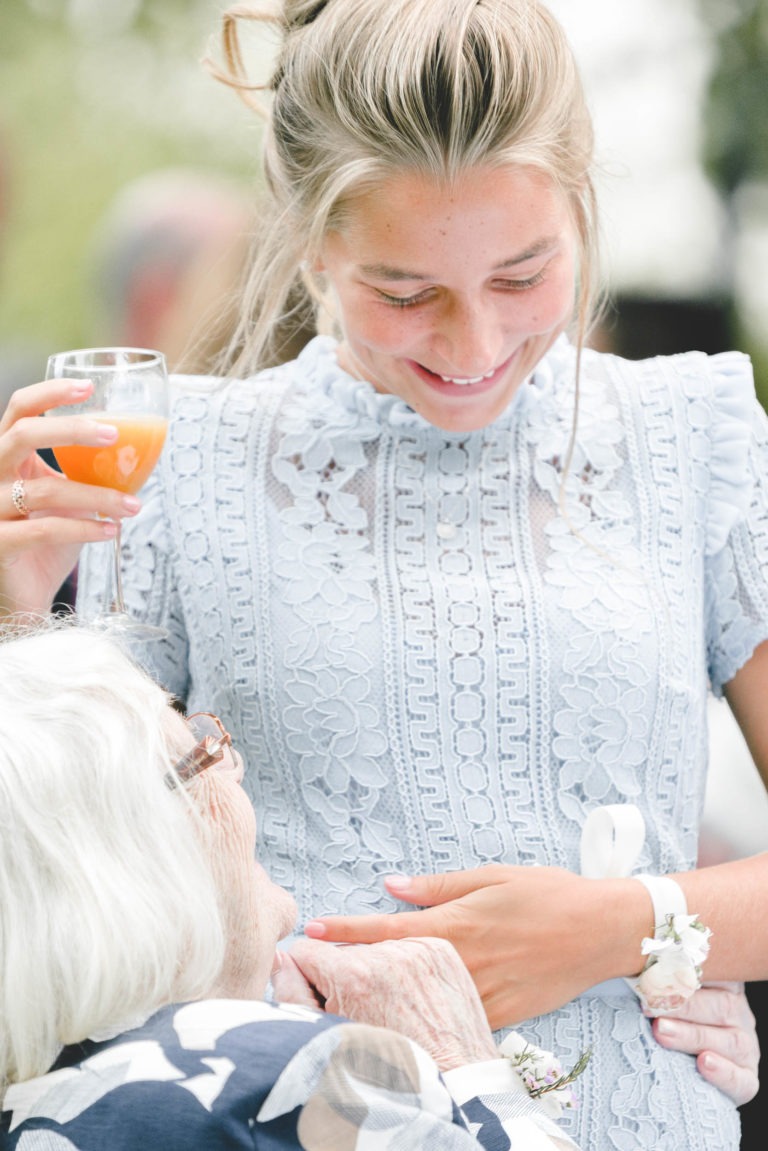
column 314, row 929
column 81, row 388
column 397, row 883
column 131, row 504
column 105, row 433
column 708, row 1061
column 108, row 529
column 666, row 1027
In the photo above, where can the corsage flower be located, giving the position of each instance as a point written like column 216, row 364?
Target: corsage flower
column 673, row 970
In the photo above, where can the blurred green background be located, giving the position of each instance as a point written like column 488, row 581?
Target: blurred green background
column 92, row 94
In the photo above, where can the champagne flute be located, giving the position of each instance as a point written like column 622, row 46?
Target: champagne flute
column 130, row 391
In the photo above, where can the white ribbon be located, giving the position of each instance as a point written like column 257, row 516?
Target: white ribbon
column 611, row 841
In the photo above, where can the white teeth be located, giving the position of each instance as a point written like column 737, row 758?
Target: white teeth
column 471, row 380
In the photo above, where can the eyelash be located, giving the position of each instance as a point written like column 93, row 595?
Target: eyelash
column 424, row 297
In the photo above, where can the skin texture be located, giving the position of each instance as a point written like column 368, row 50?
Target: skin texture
column 422, row 989
column 257, row 913
column 435, row 280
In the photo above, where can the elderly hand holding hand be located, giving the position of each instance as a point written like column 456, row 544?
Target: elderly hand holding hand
column 419, row 987
column 492, row 916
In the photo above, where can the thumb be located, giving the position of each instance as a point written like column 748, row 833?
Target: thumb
column 292, row 985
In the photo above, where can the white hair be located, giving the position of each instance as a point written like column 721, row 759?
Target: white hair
column 108, row 907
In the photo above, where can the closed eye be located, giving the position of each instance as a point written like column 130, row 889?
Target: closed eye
column 519, row 285
column 404, row 301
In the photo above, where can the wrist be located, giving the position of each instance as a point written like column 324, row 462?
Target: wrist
column 625, row 904
column 675, row 951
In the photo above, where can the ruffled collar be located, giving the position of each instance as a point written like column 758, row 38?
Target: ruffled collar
column 319, row 365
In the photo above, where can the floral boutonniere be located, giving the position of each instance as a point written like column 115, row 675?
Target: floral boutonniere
column 542, row 1075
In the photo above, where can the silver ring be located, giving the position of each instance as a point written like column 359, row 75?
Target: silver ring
column 17, row 497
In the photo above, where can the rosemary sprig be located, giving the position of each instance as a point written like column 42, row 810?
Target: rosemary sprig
column 563, row 1080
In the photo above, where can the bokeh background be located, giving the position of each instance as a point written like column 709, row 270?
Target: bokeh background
column 95, row 94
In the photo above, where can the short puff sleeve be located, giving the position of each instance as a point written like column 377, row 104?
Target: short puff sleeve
column 736, row 547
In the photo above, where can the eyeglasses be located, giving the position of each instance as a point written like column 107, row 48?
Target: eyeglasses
column 212, row 741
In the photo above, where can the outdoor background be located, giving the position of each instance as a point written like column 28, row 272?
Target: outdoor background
column 94, row 93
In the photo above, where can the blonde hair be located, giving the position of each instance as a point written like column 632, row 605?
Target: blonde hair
column 108, row 906
column 364, row 89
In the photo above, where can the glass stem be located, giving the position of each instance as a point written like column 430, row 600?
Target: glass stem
column 117, row 605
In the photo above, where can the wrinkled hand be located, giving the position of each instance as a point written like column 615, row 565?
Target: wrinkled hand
column 718, row 1027
column 418, row 987
column 531, row 937
column 38, row 552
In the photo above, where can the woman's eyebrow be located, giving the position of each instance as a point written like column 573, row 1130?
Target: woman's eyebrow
column 389, row 272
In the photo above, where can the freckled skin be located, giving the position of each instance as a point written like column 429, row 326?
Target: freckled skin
column 473, row 305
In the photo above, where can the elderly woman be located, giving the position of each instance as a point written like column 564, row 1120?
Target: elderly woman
column 137, row 936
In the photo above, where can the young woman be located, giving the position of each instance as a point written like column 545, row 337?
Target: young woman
column 452, row 580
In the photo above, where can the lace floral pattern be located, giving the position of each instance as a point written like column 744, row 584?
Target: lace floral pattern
column 435, row 658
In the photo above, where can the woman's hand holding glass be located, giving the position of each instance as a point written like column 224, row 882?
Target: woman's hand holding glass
column 130, row 395
column 43, row 530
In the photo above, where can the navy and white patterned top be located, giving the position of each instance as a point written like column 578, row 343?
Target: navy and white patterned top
column 431, row 664
column 237, row 1074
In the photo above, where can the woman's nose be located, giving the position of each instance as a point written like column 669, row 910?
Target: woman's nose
column 471, row 339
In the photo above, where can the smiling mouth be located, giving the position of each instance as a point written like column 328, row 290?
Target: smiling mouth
column 448, row 384
column 469, row 380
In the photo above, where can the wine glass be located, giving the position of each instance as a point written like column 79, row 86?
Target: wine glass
column 130, row 391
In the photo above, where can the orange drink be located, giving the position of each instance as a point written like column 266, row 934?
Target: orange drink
column 125, row 464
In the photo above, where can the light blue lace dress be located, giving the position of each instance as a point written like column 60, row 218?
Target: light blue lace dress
column 431, row 666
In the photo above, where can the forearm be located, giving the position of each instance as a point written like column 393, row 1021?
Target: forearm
column 731, row 899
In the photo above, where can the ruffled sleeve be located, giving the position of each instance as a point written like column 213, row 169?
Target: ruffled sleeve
column 731, row 483
column 736, row 546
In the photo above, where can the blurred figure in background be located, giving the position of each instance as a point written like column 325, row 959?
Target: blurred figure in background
column 164, row 272
column 166, row 264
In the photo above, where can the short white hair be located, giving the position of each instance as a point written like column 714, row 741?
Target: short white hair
column 108, row 907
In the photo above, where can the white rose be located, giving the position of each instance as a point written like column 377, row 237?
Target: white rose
column 669, row 981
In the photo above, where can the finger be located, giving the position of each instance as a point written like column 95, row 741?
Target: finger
column 38, row 398
column 376, row 928
column 719, row 1005
column 731, row 1043
column 319, row 964
column 52, row 493
column 290, row 984
column 431, row 890
column 57, row 531
column 739, row 1083
column 31, row 434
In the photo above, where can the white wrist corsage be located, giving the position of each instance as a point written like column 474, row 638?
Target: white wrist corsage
column 675, row 956
column 542, row 1075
